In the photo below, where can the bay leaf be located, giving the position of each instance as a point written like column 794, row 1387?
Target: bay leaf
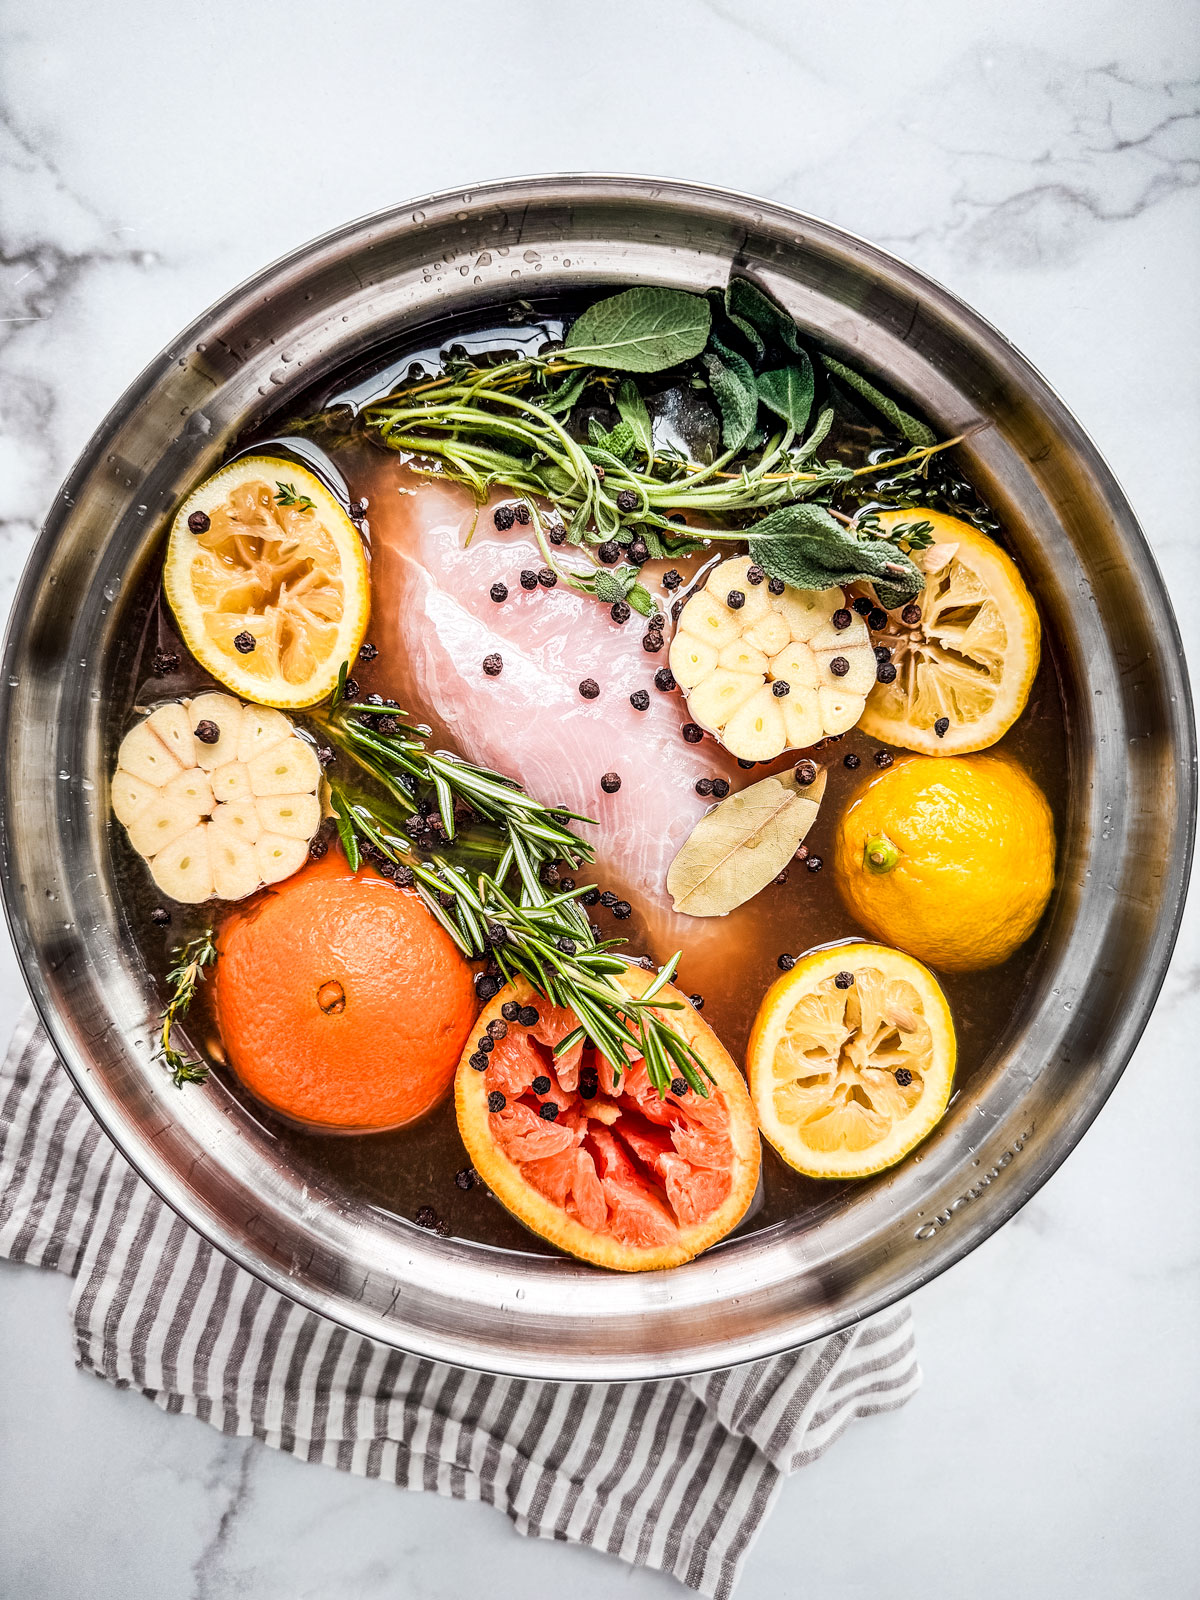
column 641, row 330
column 742, row 844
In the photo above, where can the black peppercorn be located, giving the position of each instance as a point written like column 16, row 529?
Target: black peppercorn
column 567, row 946
column 350, row 689
column 541, row 1085
column 697, row 1001
column 664, row 679
column 405, row 877
column 720, row 788
column 427, row 1217
column 941, row 727
column 903, row 1077
column 639, row 553
column 446, row 900
column 754, row 574
column 882, row 758
column 160, row 917
column 639, row 700
column 671, row 580
column 652, row 642
column 609, row 552
column 746, row 765
column 805, row 773
column 522, row 515
column 485, row 1045
column 627, row 500
column 497, row 1029
column 839, row 666
column 478, row 1060
column 735, row 599
column 510, row 1011
column 801, row 853
column 496, row 1100
column 780, row 687
column 589, row 689
column 678, row 1086
column 882, row 653
column 528, row 1016
column 590, row 895
column 911, row 615
column 841, row 619
column 589, row 1083
column 814, row 863
column 493, row 665
column 548, row 1111
column 844, row 980
column 465, row 1179
column 608, row 899
column 207, row 732
column 165, row 663
column 610, row 782
column 776, row 585
column 620, row 611
column 704, row 785
column 885, row 672
column 557, row 534
column 851, row 761
column 864, row 606
column 504, row 518
column 783, row 877
column 785, row 962
column 529, row 579
column 368, row 652
column 499, row 592
column 497, row 933
column 692, row 732
column 547, row 577
column 622, row 910
column 876, row 619
column 198, row 522
column 486, row 988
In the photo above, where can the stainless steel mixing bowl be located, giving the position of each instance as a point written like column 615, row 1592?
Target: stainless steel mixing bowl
column 1124, row 860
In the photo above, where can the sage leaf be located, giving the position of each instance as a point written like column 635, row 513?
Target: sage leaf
column 759, row 317
column 806, row 547
column 607, row 588
column 635, row 416
column 742, row 845
column 907, row 426
column 641, row 600
column 731, row 379
column 641, row 330
column 621, row 442
column 563, row 398
column 788, row 392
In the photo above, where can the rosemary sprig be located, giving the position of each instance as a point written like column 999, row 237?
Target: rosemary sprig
column 183, row 978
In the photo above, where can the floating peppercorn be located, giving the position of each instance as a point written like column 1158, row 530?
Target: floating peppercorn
column 620, row 611
column 547, row 577
column 497, row 933
column 446, row 900
column 652, row 642
column 639, row 700
column 735, row 599
column 522, row 515
column 493, row 665
column 510, row 1011
column 609, row 552
column 776, row 585
column 805, row 773
column 486, row 988
column 499, row 592
column 404, row 878
column 903, row 1077
column 497, row 1029
column 496, row 1100
column 786, row 962
column 678, row 1085
column 199, row 522
column 664, row 679
column 589, row 1083
column 368, row 652
column 207, row 732
column 911, row 615
column 671, row 580
column 503, row 517
column 697, row 1001
column 882, row 653
column 852, row 761
column 783, row 877
column 639, row 553
column 814, row 864
column 627, row 500
column 843, row 980
column 677, row 516
column 876, row 619
column 720, row 788
column 567, row 946
column 882, row 758
column 465, row 1179
column 485, row 1045
column 801, row 853
column 427, row 1217
column 350, row 689
column 780, row 687
column 528, row 579
column 746, row 765
column 589, row 689
column 478, row 1060
column 541, row 1085
column 864, row 606
column 610, row 782
column 839, row 666
column 704, row 785
column 841, row 619
column 160, row 917
column 528, row 1016
column 387, row 725
column 608, row 899
column 692, row 732
column 622, row 910
column 548, row 1111
column 754, row 574
column 557, row 534
column 590, row 896
column 885, row 672
column 941, row 727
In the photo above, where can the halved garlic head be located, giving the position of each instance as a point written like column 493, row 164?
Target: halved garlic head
column 220, row 798
column 770, row 672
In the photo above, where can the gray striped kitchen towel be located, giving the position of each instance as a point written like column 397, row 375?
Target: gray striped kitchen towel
column 677, row 1475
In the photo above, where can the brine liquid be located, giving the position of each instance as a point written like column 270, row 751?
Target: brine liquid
column 403, row 1171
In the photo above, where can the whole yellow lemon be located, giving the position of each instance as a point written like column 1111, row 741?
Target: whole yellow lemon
column 949, row 858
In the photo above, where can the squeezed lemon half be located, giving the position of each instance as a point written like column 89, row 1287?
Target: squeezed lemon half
column 267, row 579
column 847, row 1078
column 968, row 665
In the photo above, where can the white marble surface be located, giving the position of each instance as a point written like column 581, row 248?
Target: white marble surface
column 1040, row 159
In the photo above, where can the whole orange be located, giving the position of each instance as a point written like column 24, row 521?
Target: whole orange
column 341, row 1002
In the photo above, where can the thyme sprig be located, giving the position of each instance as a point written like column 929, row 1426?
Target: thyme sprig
column 183, row 979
